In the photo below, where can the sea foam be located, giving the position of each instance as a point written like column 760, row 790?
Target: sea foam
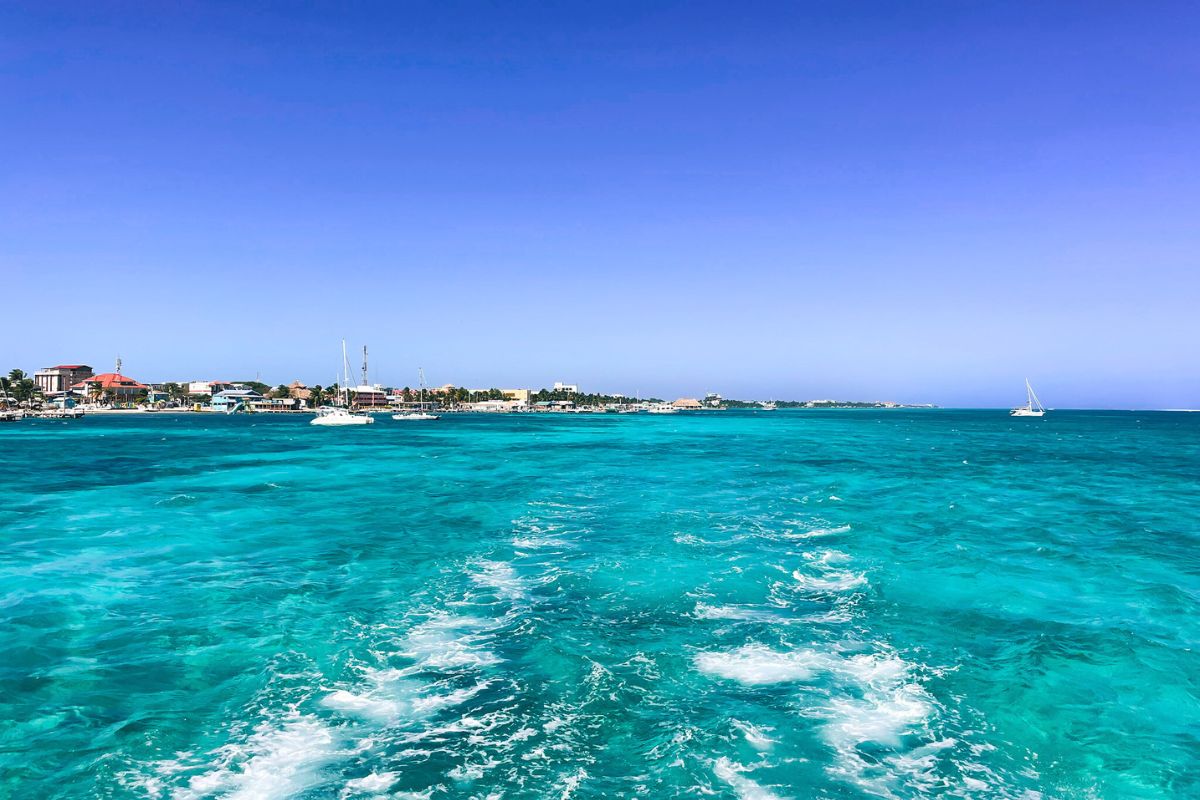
column 732, row 773
column 274, row 763
column 755, row 664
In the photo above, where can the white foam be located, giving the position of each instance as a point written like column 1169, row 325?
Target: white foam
column 817, row 533
column 878, row 717
column 878, row 670
column 736, row 613
column 500, row 577
column 732, row 773
column 755, row 736
column 755, row 664
column 379, row 709
column 827, row 556
column 436, row 702
column 571, row 783
column 830, row 581
column 274, row 763
column 446, row 642
column 375, row 783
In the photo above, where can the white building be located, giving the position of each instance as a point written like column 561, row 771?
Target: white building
column 52, row 380
column 569, row 388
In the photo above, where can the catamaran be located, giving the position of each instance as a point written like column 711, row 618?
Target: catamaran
column 336, row 415
column 1032, row 408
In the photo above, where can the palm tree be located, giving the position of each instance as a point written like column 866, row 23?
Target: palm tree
column 23, row 389
column 316, row 396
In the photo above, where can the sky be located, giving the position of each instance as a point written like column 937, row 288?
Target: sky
column 919, row 202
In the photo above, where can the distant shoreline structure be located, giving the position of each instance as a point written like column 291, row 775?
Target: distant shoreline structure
column 67, row 387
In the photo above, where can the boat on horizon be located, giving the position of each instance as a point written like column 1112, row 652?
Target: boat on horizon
column 1032, row 408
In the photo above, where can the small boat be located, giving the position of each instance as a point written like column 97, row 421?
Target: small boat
column 336, row 415
column 421, row 411
column 663, row 408
column 1032, row 408
column 768, row 406
column 415, row 415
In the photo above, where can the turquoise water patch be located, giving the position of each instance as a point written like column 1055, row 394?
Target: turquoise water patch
column 830, row 604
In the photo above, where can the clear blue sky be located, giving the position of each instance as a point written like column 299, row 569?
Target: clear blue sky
column 909, row 201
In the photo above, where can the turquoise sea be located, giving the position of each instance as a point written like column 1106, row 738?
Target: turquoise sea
column 812, row 604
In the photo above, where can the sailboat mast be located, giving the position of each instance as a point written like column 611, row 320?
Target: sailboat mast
column 345, row 373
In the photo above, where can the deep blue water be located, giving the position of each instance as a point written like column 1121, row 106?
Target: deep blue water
column 816, row 604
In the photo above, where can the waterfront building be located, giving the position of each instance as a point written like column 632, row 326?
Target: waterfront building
column 53, row 380
column 232, row 401
column 275, row 405
column 713, row 400
column 368, row 397
column 687, row 403
column 210, row 388
column 553, row 405
column 112, row 386
column 520, row 395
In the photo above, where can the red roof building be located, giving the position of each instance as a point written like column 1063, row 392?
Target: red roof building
column 113, row 385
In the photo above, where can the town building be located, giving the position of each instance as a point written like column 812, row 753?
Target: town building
column 112, row 387
column 369, row 397
column 210, row 388
column 53, row 380
column 713, row 400
column 275, row 405
column 569, row 388
column 520, row 395
column 232, row 401
column 687, row 403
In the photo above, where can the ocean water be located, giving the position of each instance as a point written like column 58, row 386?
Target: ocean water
column 816, row 604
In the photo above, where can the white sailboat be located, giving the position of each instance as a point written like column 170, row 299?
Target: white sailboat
column 421, row 413
column 337, row 415
column 1033, row 407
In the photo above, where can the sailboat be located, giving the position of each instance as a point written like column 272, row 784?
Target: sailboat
column 337, row 415
column 421, row 412
column 1033, row 407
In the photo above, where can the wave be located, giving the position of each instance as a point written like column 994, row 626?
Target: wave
column 732, row 773
column 375, row 783
column 446, row 642
column 817, row 533
column 755, row 736
column 272, row 764
column 832, row 581
column 755, row 664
